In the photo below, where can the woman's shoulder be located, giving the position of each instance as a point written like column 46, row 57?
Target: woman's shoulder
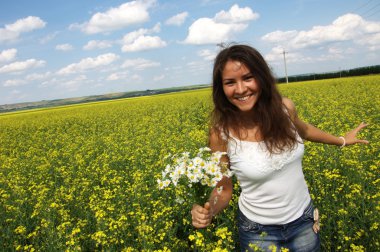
column 289, row 106
column 217, row 139
column 288, row 103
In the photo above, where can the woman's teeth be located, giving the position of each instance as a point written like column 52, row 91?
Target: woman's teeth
column 243, row 98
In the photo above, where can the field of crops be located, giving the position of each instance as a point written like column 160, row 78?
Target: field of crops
column 83, row 178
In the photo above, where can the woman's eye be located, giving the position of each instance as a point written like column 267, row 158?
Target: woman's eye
column 229, row 83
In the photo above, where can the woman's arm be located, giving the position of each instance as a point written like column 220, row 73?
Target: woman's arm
column 202, row 215
column 220, row 196
column 311, row 133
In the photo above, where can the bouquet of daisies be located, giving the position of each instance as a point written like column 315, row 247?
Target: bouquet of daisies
column 194, row 177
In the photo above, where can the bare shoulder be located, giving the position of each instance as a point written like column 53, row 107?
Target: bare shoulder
column 216, row 141
column 289, row 105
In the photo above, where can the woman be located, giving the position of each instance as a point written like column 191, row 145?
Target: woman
column 262, row 135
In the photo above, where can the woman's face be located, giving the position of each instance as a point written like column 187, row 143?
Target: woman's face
column 240, row 86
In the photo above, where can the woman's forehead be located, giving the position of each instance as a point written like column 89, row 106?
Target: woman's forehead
column 235, row 65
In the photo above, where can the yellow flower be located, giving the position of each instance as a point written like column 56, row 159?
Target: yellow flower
column 191, row 237
column 273, row 248
column 20, row 230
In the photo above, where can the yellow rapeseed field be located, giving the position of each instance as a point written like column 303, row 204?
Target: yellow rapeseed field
column 83, row 178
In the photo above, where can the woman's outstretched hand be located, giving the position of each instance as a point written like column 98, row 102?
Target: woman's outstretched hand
column 350, row 136
column 201, row 216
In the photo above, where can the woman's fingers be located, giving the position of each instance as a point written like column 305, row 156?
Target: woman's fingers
column 360, row 127
column 316, row 226
column 201, row 217
column 201, row 223
column 351, row 136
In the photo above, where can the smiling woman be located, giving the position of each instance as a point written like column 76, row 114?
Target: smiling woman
column 263, row 137
column 242, row 81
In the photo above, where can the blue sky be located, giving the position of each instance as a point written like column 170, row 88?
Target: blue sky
column 61, row 49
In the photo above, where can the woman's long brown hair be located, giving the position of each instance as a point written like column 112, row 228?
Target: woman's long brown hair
column 269, row 113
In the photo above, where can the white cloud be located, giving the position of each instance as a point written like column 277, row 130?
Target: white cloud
column 35, row 76
column 97, row 44
column 132, row 36
column 236, row 15
column 12, row 31
column 26, row 24
column 123, row 76
column 144, row 43
column 222, row 27
column 15, row 92
column 28, row 78
column 50, row 82
column 129, row 13
column 113, row 76
column 89, row 63
column 349, row 27
column 196, row 67
column 136, row 78
column 14, row 83
column 20, row 66
column 331, row 54
column 48, row 37
column 139, row 64
column 159, row 77
column 371, row 40
column 16, row 95
column 207, row 31
column 64, row 47
column 74, row 84
column 178, row 19
column 117, row 76
column 279, row 36
column 276, row 54
column 335, row 50
column 6, row 35
column 207, row 54
column 8, row 55
column 139, row 41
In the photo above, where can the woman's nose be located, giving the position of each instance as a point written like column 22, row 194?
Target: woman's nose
column 240, row 87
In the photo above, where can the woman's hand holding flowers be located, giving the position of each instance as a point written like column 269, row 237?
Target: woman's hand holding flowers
column 201, row 216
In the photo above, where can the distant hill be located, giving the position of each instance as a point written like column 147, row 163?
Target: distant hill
column 360, row 71
column 60, row 102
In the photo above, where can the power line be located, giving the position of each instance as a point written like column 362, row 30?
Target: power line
column 366, row 10
column 363, row 5
column 373, row 14
column 373, row 8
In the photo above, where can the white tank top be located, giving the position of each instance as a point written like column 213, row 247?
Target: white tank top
column 273, row 187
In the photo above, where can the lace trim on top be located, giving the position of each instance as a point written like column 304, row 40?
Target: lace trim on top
column 257, row 154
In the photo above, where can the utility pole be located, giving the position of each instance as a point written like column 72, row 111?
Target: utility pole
column 286, row 70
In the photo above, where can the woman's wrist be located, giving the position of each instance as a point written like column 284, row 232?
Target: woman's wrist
column 344, row 141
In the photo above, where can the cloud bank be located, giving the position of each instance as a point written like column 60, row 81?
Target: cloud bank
column 127, row 14
column 13, row 31
column 222, row 27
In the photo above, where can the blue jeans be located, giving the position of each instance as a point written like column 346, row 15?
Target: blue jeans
column 297, row 235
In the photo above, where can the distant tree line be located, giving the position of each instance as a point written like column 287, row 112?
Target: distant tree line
column 343, row 73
